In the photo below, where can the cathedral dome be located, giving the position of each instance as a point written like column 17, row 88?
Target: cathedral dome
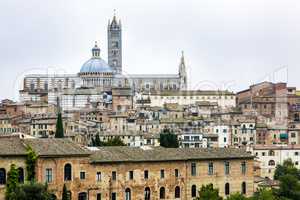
column 96, row 64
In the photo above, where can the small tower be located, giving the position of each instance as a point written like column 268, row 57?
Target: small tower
column 182, row 73
column 114, row 35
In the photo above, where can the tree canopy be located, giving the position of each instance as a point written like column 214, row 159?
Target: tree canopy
column 286, row 168
column 208, row 192
column 168, row 139
column 30, row 191
column 237, row 196
column 116, row 141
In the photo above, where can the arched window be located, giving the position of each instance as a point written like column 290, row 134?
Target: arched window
column 271, row 163
column 227, row 189
column 127, row 194
column 20, row 175
column 244, row 188
column 147, row 193
column 2, row 176
column 162, row 193
column 68, row 172
column 194, row 191
column 82, row 196
column 177, row 192
column 271, row 153
column 296, row 117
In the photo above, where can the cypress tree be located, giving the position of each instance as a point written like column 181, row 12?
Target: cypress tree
column 59, row 127
column 65, row 195
column 97, row 141
column 30, row 164
column 12, row 183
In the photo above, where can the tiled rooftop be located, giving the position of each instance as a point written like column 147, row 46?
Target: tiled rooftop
column 135, row 154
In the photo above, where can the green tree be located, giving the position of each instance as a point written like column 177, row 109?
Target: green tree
column 97, row 140
column 168, row 140
column 287, row 167
column 12, row 183
column 207, row 192
column 289, row 187
column 236, row 196
column 264, row 194
column 65, row 195
column 116, row 141
column 32, row 191
column 59, row 127
column 93, row 143
column 31, row 159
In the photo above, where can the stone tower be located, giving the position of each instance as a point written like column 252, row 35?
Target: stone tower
column 114, row 36
column 182, row 73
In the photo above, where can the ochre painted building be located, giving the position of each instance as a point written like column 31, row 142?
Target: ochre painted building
column 128, row 172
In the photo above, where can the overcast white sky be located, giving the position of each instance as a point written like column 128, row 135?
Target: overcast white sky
column 228, row 44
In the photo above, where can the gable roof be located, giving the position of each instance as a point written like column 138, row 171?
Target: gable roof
column 135, row 154
column 15, row 146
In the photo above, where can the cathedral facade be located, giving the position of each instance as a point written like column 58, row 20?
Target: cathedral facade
column 97, row 76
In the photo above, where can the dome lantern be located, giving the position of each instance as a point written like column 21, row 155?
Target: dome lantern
column 96, row 51
column 95, row 64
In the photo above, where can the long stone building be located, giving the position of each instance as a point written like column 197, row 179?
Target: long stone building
column 128, row 173
column 97, row 76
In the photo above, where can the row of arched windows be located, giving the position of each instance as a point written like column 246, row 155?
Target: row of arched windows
column 162, row 192
column 3, row 175
column 227, row 189
column 243, row 188
column 147, row 194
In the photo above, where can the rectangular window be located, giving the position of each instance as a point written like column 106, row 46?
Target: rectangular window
column 162, row 173
column 82, row 175
column 49, row 175
column 210, row 168
column 114, row 175
column 193, row 169
column 98, row 176
column 243, row 167
column 176, row 173
column 113, row 196
column 130, row 175
column 146, row 174
column 99, row 196
column 226, row 167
